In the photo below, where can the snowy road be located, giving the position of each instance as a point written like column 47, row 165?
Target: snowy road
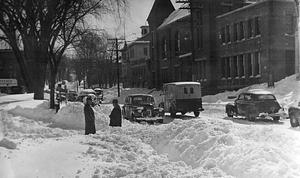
column 212, row 145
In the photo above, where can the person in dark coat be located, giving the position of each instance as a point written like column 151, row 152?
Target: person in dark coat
column 89, row 117
column 115, row 116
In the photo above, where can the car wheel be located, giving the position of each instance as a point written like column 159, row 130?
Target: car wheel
column 132, row 118
column 172, row 112
column 196, row 113
column 276, row 118
column 230, row 113
column 294, row 121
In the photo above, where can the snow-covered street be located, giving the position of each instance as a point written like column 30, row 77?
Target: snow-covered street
column 212, row 145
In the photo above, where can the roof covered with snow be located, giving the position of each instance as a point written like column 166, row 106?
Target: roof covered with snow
column 259, row 92
column 183, row 83
column 174, row 16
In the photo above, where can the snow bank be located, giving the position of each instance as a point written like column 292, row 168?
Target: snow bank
column 236, row 150
column 34, row 109
column 287, row 92
column 71, row 116
column 14, row 98
column 21, row 127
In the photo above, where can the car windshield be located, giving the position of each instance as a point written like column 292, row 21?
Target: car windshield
column 137, row 100
column 265, row 97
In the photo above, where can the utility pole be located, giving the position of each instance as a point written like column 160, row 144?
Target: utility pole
column 191, row 7
column 297, row 42
column 116, row 40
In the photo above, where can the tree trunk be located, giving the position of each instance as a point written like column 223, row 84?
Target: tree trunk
column 39, row 77
column 52, row 89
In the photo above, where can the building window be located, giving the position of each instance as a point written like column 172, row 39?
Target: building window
column 257, row 26
column 185, row 90
column 132, row 53
column 228, row 67
column 223, row 38
column 164, row 48
column 235, row 32
column 200, row 17
column 146, row 51
column 177, row 42
column 227, row 33
column 223, row 68
column 291, row 24
column 250, row 28
column 235, row 67
column 199, row 38
column 242, row 31
column 249, row 65
column 203, row 70
column 256, row 64
column 241, row 65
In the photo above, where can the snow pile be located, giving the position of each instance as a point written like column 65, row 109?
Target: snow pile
column 21, row 127
column 14, row 98
column 35, row 109
column 287, row 92
column 236, row 150
column 119, row 155
column 71, row 116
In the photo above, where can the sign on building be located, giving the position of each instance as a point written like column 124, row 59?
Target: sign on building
column 8, row 82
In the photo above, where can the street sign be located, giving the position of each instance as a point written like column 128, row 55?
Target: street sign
column 8, row 82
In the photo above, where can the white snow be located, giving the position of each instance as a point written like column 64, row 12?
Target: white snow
column 14, row 98
column 50, row 144
column 235, row 149
column 71, row 116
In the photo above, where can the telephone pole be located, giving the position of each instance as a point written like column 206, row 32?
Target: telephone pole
column 116, row 40
column 191, row 7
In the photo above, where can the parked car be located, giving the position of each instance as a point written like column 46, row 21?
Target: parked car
column 294, row 115
column 99, row 94
column 253, row 104
column 140, row 106
column 87, row 92
column 182, row 97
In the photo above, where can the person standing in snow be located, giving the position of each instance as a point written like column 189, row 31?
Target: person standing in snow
column 115, row 116
column 89, row 117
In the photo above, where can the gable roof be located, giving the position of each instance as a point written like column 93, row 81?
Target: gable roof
column 176, row 15
column 157, row 5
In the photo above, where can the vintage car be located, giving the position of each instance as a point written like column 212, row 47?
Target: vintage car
column 88, row 92
column 99, row 94
column 294, row 115
column 71, row 96
column 253, row 104
column 140, row 106
column 182, row 97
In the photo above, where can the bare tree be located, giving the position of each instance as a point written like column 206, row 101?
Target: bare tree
column 40, row 31
column 90, row 50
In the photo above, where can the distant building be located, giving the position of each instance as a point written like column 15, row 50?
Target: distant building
column 217, row 38
column 135, row 58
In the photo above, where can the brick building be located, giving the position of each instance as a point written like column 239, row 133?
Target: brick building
column 256, row 44
column 173, row 59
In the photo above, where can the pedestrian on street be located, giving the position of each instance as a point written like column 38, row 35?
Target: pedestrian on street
column 89, row 117
column 115, row 116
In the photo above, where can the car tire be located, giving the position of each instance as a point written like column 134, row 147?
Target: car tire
column 276, row 118
column 294, row 121
column 172, row 112
column 230, row 113
column 196, row 113
column 251, row 117
column 133, row 119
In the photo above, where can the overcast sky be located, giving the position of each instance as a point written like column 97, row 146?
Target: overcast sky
column 137, row 14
